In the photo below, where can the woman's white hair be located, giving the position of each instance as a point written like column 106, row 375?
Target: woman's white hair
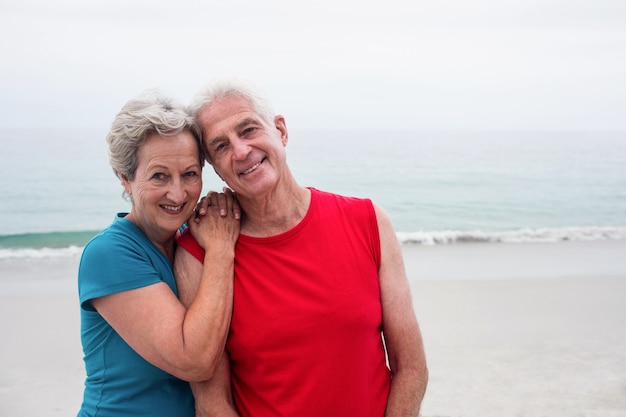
column 150, row 113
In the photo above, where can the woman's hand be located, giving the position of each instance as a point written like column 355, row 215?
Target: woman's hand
column 223, row 201
column 215, row 224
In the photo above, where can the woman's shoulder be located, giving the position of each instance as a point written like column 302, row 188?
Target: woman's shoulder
column 121, row 234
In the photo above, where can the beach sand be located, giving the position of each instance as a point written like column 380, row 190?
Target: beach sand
column 509, row 329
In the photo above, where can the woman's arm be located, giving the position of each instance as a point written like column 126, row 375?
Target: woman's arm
column 184, row 342
column 213, row 397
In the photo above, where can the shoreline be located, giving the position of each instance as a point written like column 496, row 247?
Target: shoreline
column 525, row 260
column 472, row 261
column 521, row 329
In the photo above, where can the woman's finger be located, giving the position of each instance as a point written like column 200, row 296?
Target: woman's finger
column 233, row 204
column 223, row 204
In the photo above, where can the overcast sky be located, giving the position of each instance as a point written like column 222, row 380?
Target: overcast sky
column 412, row 64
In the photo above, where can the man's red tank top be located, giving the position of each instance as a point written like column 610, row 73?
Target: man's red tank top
column 305, row 338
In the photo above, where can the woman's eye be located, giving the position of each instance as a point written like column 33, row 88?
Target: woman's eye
column 158, row 176
column 190, row 174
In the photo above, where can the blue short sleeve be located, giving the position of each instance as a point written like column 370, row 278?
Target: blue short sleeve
column 120, row 258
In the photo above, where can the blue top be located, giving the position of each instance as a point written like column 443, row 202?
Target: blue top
column 119, row 381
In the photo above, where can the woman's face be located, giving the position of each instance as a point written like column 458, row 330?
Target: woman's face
column 167, row 185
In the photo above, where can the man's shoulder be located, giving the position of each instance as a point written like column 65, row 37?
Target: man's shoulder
column 343, row 199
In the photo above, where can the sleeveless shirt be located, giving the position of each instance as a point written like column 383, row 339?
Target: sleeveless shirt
column 305, row 338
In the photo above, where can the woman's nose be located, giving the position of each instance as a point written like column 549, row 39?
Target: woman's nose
column 176, row 190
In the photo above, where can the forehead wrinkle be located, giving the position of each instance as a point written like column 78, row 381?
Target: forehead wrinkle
column 245, row 122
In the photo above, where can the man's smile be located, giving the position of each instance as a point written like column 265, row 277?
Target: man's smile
column 252, row 168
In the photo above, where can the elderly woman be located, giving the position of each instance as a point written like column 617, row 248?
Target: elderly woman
column 140, row 343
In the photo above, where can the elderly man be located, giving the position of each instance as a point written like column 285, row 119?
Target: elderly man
column 323, row 321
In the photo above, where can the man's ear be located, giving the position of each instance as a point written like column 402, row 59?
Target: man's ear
column 281, row 126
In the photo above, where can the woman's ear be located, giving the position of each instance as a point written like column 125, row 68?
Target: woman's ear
column 126, row 184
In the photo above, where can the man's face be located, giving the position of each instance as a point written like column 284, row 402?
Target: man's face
column 247, row 152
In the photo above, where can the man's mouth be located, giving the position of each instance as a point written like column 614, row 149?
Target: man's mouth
column 252, row 168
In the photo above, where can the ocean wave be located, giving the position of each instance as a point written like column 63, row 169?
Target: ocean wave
column 40, row 240
column 39, row 253
column 447, row 237
column 441, row 237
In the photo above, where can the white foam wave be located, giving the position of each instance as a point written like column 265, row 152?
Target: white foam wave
column 40, row 253
column 444, row 237
column 516, row 236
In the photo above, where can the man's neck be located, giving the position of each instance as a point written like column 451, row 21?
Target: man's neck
column 276, row 213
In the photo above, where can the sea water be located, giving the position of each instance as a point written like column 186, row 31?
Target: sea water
column 438, row 187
